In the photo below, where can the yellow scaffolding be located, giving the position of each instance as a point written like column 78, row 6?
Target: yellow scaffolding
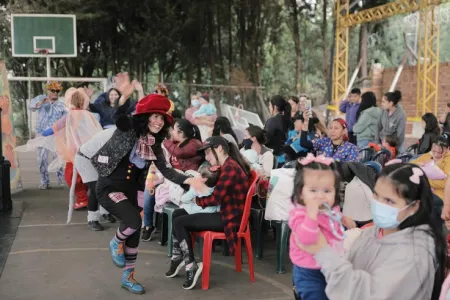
column 428, row 65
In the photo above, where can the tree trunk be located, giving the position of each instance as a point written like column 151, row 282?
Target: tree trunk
column 324, row 40
column 230, row 40
column 212, row 53
column 295, row 29
column 363, row 71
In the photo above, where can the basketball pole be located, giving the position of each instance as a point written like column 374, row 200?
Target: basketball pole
column 48, row 66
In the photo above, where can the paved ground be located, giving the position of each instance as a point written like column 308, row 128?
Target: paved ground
column 51, row 260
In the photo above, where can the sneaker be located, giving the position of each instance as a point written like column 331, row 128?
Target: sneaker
column 44, row 187
column 109, row 218
column 192, row 276
column 147, row 234
column 129, row 283
column 95, row 226
column 175, row 267
column 117, row 253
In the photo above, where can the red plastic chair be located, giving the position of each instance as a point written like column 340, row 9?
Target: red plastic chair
column 244, row 232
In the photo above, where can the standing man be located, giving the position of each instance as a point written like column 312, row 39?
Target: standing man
column 350, row 107
column 49, row 110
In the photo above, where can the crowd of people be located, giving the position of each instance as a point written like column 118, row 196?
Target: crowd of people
column 116, row 150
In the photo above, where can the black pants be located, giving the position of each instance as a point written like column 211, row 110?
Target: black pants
column 183, row 224
column 92, row 200
column 125, row 208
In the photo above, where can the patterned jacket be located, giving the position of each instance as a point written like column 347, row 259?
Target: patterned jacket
column 230, row 193
column 106, row 160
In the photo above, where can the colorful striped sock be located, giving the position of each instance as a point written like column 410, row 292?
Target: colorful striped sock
column 130, row 257
column 121, row 236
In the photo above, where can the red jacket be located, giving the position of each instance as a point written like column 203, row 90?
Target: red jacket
column 184, row 157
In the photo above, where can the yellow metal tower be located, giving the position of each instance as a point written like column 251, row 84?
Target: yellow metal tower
column 427, row 67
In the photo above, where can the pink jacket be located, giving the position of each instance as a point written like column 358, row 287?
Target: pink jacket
column 307, row 232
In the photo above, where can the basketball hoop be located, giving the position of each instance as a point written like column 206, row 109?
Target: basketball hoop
column 44, row 51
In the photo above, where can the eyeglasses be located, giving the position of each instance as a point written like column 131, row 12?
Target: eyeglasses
column 55, row 91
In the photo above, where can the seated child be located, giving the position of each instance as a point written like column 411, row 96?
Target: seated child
column 293, row 148
column 252, row 158
column 206, row 108
column 390, row 142
column 188, row 199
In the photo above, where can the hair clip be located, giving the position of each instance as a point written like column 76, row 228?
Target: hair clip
column 415, row 177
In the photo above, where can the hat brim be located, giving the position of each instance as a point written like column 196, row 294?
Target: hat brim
column 202, row 149
column 167, row 117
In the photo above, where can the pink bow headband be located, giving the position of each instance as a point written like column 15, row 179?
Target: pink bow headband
column 415, row 177
column 310, row 158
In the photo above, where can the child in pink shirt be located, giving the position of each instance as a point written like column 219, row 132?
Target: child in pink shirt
column 316, row 199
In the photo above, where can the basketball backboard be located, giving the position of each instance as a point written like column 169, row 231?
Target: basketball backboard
column 31, row 33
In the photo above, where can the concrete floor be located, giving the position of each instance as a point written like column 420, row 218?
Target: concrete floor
column 51, row 260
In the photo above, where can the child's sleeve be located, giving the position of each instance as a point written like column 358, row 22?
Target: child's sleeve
column 303, row 227
column 188, row 196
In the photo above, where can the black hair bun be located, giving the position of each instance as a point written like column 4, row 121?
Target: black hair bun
column 398, row 95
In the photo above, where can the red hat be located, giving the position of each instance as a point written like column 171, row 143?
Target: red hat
column 155, row 103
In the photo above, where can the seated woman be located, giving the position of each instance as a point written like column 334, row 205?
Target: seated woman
column 255, row 140
column 293, row 148
column 431, row 126
column 335, row 145
column 230, row 193
column 402, row 256
column 438, row 157
column 223, row 126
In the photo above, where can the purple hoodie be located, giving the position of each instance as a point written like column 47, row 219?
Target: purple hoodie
column 350, row 110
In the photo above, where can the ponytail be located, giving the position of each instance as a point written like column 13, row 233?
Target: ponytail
column 283, row 107
column 235, row 154
column 189, row 130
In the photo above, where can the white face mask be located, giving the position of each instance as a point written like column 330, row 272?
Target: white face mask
column 195, row 103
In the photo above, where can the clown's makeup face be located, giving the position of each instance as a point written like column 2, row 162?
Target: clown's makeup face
column 155, row 123
column 53, row 94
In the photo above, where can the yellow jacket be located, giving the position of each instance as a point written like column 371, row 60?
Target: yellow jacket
column 437, row 185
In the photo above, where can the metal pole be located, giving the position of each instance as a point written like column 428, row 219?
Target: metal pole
column 48, row 67
column 29, row 112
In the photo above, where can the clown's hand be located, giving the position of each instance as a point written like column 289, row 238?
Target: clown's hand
column 88, row 92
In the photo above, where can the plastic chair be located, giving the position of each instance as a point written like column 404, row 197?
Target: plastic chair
column 374, row 165
column 244, row 232
column 382, row 156
column 405, row 157
column 166, row 228
column 365, row 154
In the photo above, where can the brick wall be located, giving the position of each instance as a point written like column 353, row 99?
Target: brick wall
column 407, row 84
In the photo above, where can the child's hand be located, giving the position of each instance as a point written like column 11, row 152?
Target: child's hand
column 348, row 222
column 312, row 208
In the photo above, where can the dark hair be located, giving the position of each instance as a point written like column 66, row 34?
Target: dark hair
column 233, row 151
column 431, row 123
column 355, row 91
column 140, row 125
column 399, row 175
column 441, row 141
column 368, row 100
column 293, row 98
column 108, row 92
column 176, row 114
column 258, row 133
column 299, row 180
column 188, row 129
column 211, row 176
column 283, row 107
column 392, row 140
column 394, row 97
column 222, row 124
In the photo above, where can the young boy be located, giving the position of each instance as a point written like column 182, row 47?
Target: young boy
column 390, row 142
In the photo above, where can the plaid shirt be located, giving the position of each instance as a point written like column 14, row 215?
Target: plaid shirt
column 47, row 114
column 230, row 193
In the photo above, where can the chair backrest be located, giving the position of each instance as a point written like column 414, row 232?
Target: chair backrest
column 382, row 156
column 365, row 154
column 248, row 200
